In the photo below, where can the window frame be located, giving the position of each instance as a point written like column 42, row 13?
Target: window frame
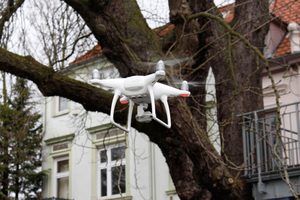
column 56, row 175
column 108, row 166
column 56, row 110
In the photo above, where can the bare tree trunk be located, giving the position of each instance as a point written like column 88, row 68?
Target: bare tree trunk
column 239, row 76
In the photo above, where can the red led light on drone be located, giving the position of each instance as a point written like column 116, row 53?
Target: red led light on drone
column 124, row 102
column 184, row 95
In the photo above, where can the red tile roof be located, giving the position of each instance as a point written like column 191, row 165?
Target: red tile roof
column 165, row 31
column 229, row 11
column 283, row 49
column 95, row 51
column 287, row 11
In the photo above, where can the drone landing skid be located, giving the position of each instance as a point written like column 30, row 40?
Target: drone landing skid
column 112, row 110
column 146, row 116
column 142, row 115
column 164, row 99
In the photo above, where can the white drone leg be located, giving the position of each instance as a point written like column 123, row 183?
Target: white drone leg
column 112, row 111
column 130, row 109
column 164, row 99
column 150, row 89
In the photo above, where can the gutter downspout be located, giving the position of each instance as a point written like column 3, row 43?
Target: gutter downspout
column 260, row 185
column 152, row 171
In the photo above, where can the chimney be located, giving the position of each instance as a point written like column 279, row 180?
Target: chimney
column 294, row 36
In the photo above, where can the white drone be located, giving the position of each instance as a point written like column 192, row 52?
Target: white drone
column 141, row 90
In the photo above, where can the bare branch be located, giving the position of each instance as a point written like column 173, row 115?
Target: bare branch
column 9, row 11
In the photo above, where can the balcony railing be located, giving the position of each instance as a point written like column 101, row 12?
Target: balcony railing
column 267, row 149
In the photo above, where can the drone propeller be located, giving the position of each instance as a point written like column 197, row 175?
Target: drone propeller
column 174, row 62
column 168, row 63
column 175, row 81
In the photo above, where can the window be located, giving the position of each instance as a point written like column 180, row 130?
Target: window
column 61, row 106
column 61, row 178
column 112, row 179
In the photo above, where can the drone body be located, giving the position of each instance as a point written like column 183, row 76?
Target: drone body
column 141, row 90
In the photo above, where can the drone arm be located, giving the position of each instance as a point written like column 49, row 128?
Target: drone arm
column 164, row 99
column 151, row 79
column 112, row 111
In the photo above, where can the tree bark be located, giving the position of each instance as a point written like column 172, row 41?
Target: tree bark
column 239, row 77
